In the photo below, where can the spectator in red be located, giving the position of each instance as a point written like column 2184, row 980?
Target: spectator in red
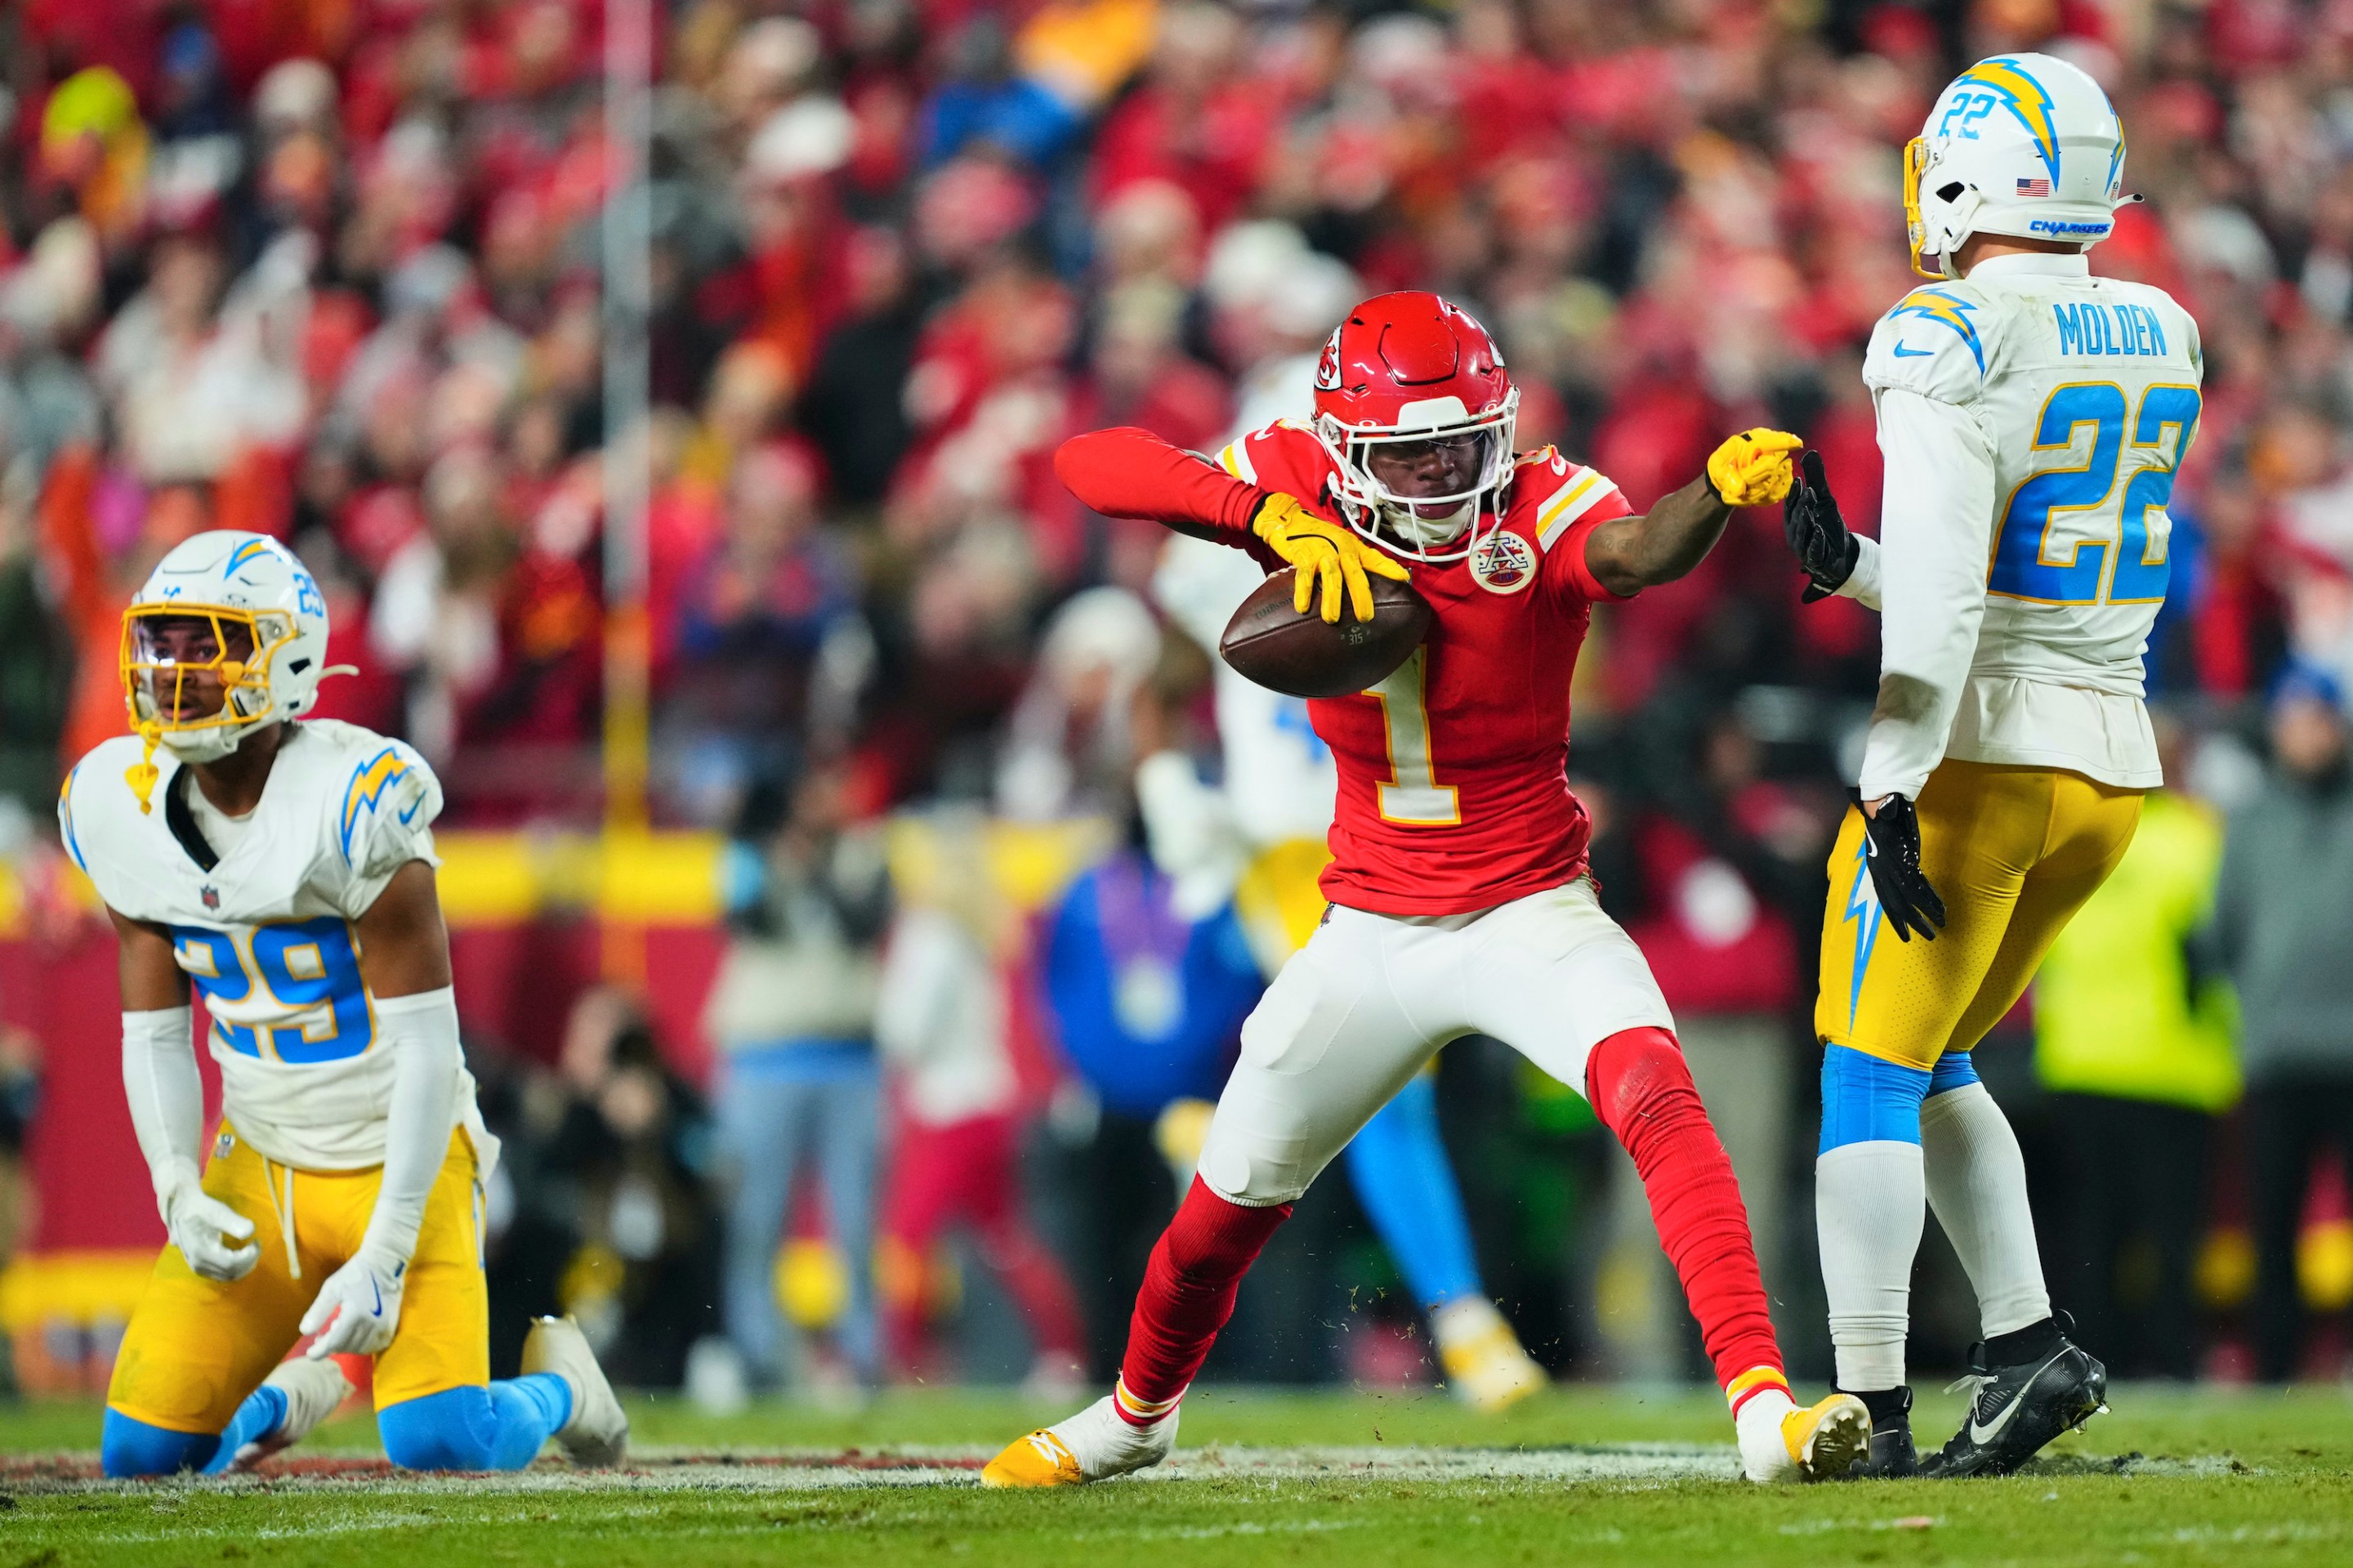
column 943, row 1020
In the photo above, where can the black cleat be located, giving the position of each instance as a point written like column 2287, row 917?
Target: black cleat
column 1891, row 1455
column 2021, row 1405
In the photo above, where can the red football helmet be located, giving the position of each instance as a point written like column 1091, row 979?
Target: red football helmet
column 1408, row 373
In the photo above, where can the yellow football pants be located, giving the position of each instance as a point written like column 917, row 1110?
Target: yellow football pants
column 196, row 1346
column 2014, row 852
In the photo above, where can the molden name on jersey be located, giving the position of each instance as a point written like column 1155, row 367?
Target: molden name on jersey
column 2087, row 327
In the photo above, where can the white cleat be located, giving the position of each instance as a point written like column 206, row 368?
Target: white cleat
column 313, row 1390
column 598, row 1432
column 1095, row 1445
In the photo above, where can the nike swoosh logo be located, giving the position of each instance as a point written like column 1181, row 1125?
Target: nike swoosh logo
column 379, row 1295
column 1904, row 352
column 1983, row 1435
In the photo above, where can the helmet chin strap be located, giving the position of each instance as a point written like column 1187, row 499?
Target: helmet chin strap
column 1407, row 522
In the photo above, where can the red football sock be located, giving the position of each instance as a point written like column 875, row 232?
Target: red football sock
column 1188, row 1295
column 1642, row 1091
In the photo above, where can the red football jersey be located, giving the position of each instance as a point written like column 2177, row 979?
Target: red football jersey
column 1453, row 787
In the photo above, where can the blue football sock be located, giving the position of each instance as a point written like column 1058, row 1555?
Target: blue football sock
column 263, row 1412
column 1870, row 1204
column 129, row 1448
column 1867, row 1100
column 1398, row 1165
column 1954, row 1070
column 496, row 1426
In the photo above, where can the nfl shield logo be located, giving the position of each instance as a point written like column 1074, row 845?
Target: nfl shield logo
column 1503, row 562
column 211, row 896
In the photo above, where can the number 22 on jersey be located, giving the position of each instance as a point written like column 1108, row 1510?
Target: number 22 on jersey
column 1411, row 794
column 304, row 965
column 2073, row 567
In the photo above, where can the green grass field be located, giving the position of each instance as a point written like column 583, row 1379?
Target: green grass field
column 1583, row 1476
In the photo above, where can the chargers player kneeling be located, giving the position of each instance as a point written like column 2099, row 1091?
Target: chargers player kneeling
column 287, row 869
column 2033, row 417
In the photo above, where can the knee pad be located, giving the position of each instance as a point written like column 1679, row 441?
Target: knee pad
column 129, row 1448
column 446, row 1431
column 1868, row 1099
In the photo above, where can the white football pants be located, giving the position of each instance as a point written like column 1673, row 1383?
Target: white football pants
column 1371, row 998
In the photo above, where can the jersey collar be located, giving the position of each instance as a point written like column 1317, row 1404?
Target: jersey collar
column 2036, row 266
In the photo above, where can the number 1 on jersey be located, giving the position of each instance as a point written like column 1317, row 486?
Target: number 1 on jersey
column 1411, row 794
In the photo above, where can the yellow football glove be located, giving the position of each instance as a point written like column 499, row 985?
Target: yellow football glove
column 1752, row 469
column 1328, row 554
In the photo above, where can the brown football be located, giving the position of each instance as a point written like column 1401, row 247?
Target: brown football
column 1300, row 656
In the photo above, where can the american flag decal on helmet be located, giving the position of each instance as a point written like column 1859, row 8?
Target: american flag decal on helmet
column 2037, row 187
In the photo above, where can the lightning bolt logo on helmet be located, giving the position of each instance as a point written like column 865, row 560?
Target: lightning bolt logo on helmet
column 2021, row 94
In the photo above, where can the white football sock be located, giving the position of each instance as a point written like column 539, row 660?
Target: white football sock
column 1869, row 1208
column 1764, row 1453
column 1977, row 1181
column 1106, row 1444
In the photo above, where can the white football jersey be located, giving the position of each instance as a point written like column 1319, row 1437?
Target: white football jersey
column 2033, row 416
column 1281, row 779
column 267, row 933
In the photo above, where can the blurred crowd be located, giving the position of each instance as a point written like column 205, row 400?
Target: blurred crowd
column 330, row 269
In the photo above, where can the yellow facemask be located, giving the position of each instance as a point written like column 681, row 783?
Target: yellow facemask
column 152, row 684
column 1915, row 227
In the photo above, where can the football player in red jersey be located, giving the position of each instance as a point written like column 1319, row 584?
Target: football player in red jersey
column 1460, row 899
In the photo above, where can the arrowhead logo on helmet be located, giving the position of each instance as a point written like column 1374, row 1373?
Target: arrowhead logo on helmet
column 1327, row 369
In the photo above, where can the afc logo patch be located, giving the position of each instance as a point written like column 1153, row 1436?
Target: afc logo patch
column 1503, row 562
column 1327, row 369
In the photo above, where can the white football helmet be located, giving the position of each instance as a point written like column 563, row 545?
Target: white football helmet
column 239, row 607
column 2021, row 144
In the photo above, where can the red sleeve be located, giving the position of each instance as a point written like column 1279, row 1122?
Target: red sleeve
column 1129, row 472
column 1559, row 504
column 1576, row 573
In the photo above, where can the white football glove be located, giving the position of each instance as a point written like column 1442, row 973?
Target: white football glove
column 207, row 1230
column 358, row 1308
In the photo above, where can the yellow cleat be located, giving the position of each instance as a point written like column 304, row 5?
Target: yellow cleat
column 1095, row 1445
column 1041, row 1459
column 1485, row 1363
column 1824, row 1439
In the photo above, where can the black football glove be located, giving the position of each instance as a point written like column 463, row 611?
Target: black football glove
column 1817, row 535
column 1892, row 852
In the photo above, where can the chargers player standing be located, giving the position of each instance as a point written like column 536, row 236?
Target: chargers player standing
column 2033, row 417
column 286, row 869
column 1460, row 899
